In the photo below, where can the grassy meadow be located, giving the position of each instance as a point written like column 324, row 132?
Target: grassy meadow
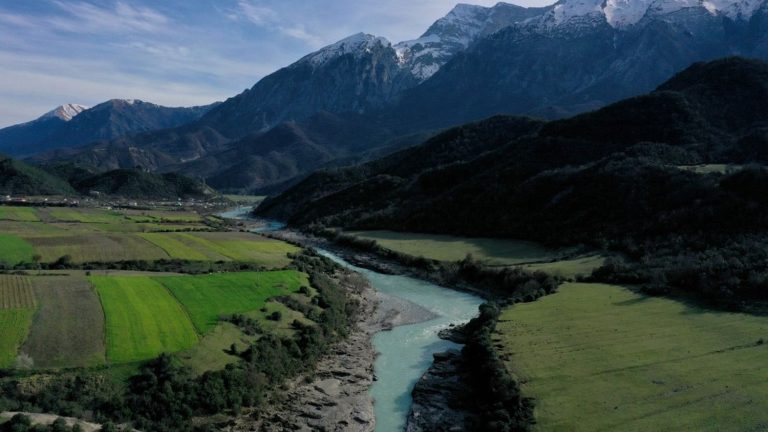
column 603, row 358
column 14, row 249
column 569, row 268
column 212, row 352
column 451, row 248
column 143, row 320
column 15, row 325
column 19, row 214
column 209, row 297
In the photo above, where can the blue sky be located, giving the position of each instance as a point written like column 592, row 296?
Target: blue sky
column 176, row 52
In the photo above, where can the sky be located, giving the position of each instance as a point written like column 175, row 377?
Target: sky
column 177, row 52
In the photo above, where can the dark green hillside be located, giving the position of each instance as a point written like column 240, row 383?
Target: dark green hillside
column 18, row 178
column 446, row 149
column 141, row 184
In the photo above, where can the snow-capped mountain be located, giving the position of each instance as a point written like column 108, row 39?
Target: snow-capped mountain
column 356, row 45
column 580, row 55
column 65, row 112
column 625, row 13
column 455, row 32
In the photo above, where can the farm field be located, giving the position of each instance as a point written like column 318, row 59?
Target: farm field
column 15, row 325
column 451, row 248
column 603, row 358
column 19, row 214
column 209, row 297
column 16, row 292
column 14, row 249
column 143, row 319
column 68, row 331
column 17, row 306
column 224, row 246
column 90, row 235
column 96, row 247
column 83, row 215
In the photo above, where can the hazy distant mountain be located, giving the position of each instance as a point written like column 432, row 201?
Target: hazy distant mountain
column 75, row 125
column 19, row 138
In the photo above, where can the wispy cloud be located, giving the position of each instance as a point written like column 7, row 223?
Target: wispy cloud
column 257, row 14
column 268, row 18
column 85, row 17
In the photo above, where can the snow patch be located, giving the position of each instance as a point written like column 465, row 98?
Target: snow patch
column 356, row 44
column 65, row 112
column 625, row 13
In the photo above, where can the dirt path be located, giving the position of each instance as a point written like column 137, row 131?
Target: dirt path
column 48, row 419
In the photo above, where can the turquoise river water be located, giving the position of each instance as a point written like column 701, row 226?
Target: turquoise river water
column 405, row 352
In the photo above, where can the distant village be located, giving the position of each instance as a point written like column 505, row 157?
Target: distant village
column 97, row 199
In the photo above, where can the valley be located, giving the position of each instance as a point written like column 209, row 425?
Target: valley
column 541, row 217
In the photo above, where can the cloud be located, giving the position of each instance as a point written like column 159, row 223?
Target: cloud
column 85, row 17
column 259, row 15
column 270, row 19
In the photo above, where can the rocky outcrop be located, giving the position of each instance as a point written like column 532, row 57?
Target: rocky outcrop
column 437, row 402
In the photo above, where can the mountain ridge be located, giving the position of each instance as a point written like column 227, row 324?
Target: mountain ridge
column 682, row 122
column 73, row 125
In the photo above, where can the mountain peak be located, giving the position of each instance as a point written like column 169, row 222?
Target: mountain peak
column 66, row 112
column 625, row 13
column 356, row 44
column 456, row 31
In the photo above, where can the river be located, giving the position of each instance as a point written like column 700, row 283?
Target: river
column 405, row 352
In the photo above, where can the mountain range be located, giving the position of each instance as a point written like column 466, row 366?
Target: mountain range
column 607, row 174
column 365, row 95
column 74, row 125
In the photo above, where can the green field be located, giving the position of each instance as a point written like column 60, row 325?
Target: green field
column 98, row 235
column 450, row 248
column 14, row 250
column 223, row 246
column 20, row 214
column 96, row 247
column 711, row 168
column 246, row 199
column 207, row 298
column 15, row 326
column 182, row 246
column 143, row 319
column 68, row 331
column 569, row 268
column 157, row 216
column 83, row 215
column 603, row 358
